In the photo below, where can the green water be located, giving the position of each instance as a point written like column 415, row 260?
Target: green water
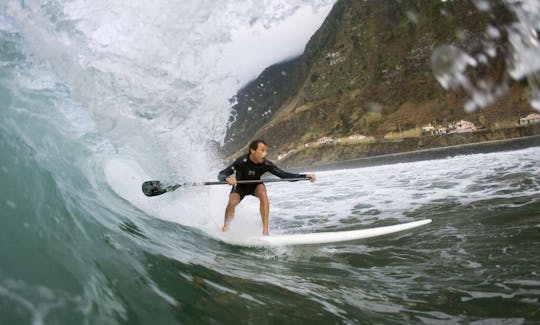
column 86, row 83
column 67, row 261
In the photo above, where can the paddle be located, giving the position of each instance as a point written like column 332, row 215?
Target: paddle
column 154, row 188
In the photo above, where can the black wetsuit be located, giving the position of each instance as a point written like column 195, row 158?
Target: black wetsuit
column 245, row 169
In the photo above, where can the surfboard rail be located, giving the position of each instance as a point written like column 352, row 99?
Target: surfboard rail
column 322, row 237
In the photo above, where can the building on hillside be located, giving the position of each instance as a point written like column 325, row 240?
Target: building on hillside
column 462, row 127
column 530, row 119
column 356, row 137
column 428, row 128
column 325, row 140
column 440, row 130
column 434, row 130
column 283, row 155
column 320, row 141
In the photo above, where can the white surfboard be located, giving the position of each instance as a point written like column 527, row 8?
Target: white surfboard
column 320, row 238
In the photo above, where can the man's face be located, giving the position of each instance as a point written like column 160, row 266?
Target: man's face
column 259, row 154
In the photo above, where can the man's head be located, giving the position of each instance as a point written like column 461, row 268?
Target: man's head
column 258, row 150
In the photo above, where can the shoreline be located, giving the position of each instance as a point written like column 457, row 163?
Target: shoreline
column 429, row 154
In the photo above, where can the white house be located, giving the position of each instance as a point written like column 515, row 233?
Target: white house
column 428, row 128
column 530, row 119
column 434, row 130
column 356, row 137
column 440, row 130
column 463, row 127
column 325, row 140
column 283, row 155
column 320, row 141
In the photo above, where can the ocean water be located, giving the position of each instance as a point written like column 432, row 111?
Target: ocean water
column 96, row 97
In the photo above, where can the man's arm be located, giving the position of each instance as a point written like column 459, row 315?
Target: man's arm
column 283, row 174
column 225, row 173
column 280, row 172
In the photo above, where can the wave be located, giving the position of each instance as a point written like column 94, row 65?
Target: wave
column 96, row 97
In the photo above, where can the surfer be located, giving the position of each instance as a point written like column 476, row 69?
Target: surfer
column 252, row 166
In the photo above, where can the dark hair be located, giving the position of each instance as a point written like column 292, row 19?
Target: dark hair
column 255, row 144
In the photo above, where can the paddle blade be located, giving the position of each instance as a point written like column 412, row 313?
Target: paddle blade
column 153, row 188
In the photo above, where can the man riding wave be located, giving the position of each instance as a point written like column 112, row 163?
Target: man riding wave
column 251, row 167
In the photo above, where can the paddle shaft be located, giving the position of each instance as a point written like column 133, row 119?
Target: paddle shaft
column 256, row 181
column 153, row 188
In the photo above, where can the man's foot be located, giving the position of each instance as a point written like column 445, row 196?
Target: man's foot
column 224, row 228
column 265, row 232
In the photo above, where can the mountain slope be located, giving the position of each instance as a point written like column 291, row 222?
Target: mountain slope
column 369, row 70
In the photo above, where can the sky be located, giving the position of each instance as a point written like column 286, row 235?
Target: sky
column 261, row 47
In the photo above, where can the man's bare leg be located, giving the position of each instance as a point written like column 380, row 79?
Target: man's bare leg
column 234, row 199
column 260, row 192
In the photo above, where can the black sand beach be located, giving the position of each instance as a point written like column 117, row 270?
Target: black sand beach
column 430, row 154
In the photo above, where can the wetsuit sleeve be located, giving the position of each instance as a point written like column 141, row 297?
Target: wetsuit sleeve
column 281, row 173
column 228, row 171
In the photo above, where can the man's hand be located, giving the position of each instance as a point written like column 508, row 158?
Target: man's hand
column 231, row 181
column 312, row 177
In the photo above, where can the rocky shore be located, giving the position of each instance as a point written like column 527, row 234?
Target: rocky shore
column 427, row 154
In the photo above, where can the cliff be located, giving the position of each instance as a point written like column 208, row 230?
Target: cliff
column 369, row 70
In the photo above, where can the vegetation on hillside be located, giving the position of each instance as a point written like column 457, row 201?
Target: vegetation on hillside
column 369, row 70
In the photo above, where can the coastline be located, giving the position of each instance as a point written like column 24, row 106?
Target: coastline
column 429, row 154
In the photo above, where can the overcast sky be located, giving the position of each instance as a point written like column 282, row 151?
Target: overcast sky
column 255, row 49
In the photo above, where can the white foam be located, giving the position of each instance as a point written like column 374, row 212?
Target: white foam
column 393, row 190
column 200, row 207
column 355, row 198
